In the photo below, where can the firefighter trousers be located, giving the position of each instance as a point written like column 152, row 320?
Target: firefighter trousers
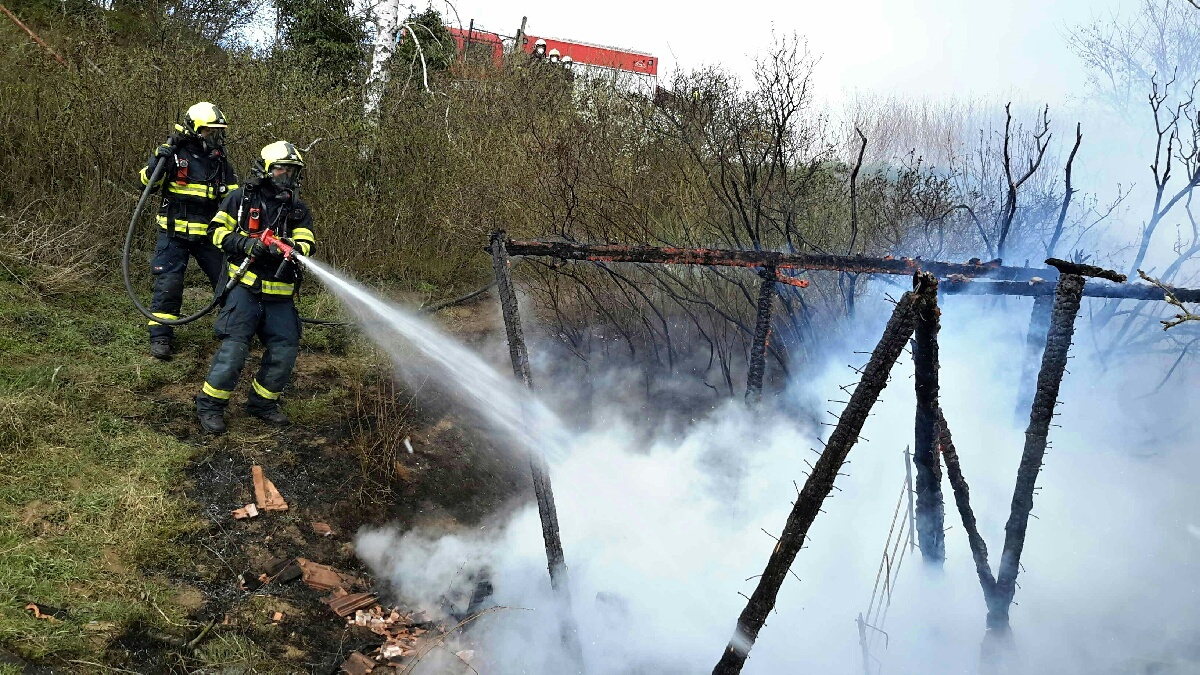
column 169, row 264
column 277, row 325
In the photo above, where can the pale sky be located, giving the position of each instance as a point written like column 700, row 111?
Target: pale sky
column 932, row 48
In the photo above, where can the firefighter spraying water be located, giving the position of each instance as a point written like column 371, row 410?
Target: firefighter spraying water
column 261, row 227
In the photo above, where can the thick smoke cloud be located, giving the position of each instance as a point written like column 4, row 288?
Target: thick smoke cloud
column 661, row 536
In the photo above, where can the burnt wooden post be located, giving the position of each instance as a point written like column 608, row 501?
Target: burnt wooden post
column 820, row 483
column 555, row 560
column 762, row 333
column 962, row 499
column 1035, row 340
column 1067, row 297
column 930, row 507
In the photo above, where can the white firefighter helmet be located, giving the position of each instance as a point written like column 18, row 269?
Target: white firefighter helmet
column 554, row 55
column 567, row 60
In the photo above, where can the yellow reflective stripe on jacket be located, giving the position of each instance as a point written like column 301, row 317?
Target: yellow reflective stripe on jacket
column 277, row 288
column 248, row 277
column 202, row 190
column 219, row 235
column 264, row 392
column 224, row 219
column 162, row 315
column 268, row 287
column 231, row 188
column 216, row 393
column 304, row 239
column 185, row 226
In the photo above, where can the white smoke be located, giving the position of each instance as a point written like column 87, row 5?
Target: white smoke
column 661, row 537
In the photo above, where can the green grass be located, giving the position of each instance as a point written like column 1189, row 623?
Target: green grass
column 86, row 484
column 89, row 494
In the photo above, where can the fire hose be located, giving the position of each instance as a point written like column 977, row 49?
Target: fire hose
column 268, row 238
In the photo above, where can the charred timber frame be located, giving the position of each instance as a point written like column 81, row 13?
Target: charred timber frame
column 762, row 333
column 931, row 510
column 1035, row 341
column 1024, row 281
column 962, row 499
column 716, row 257
column 1067, row 299
column 555, row 560
column 820, row 483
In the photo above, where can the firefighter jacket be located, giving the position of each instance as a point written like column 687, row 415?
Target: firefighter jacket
column 194, row 182
column 252, row 209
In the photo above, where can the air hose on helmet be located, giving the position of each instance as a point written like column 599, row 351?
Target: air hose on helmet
column 137, row 214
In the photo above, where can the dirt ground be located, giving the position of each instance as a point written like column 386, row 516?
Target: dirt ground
column 346, row 469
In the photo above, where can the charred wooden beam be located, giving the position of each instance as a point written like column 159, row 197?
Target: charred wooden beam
column 544, row 492
column 762, row 333
column 1054, row 362
column 962, row 499
column 957, row 276
column 1045, row 287
column 819, row 484
column 931, row 510
column 1035, row 340
column 1068, row 267
column 715, row 257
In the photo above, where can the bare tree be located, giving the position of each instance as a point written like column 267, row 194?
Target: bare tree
column 1122, row 53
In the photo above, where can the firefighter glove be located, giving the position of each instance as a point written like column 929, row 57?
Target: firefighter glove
column 253, row 247
column 165, row 150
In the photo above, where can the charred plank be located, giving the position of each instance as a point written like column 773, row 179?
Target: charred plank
column 1045, row 287
column 1068, row 267
column 715, row 257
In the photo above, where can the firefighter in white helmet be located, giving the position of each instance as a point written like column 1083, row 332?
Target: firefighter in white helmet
column 568, row 61
column 539, row 49
column 554, row 56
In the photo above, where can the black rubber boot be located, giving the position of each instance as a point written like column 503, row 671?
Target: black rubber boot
column 212, row 422
column 273, row 416
column 160, row 348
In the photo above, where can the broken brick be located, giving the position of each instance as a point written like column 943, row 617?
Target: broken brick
column 265, row 494
column 248, row 511
column 323, row 529
column 348, row 604
column 358, row 664
column 322, row 577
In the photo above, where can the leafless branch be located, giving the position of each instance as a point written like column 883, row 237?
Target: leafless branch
column 1184, row 314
